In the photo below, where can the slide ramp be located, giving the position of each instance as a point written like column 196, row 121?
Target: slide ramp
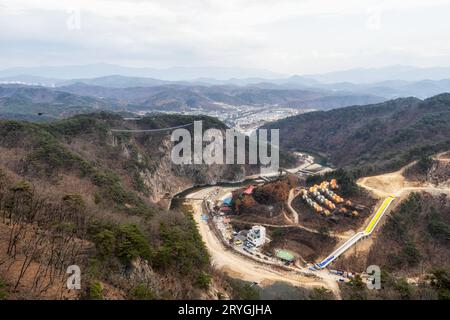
column 357, row 236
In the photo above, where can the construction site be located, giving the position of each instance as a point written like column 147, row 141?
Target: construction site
column 307, row 230
column 285, row 221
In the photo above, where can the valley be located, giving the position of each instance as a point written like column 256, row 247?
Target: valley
column 201, row 159
column 242, row 107
column 231, row 259
column 320, row 219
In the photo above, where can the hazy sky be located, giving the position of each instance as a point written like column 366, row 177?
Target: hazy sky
column 286, row 36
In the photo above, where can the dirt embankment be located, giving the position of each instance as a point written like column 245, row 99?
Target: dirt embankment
column 398, row 183
column 243, row 268
column 309, row 246
column 435, row 171
column 439, row 174
column 412, row 237
column 387, row 184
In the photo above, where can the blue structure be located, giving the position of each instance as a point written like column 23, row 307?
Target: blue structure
column 324, row 262
column 228, row 201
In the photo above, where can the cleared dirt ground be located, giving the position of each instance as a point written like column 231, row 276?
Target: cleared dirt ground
column 243, row 268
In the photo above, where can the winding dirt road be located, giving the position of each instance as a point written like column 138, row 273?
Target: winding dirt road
column 396, row 184
column 237, row 266
column 240, row 267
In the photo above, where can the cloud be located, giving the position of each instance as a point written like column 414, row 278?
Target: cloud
column 281, row 35
column 374, row 18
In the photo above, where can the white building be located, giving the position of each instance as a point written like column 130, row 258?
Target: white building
column 257, row 235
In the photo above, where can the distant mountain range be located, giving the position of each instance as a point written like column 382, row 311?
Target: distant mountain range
column 217, row 75
column 178, row 97
column 47, row 91
column 79, row 98
column 170, row 74
column 388, row 83
column 370, row 75
column 386, row 89
column 39, row 103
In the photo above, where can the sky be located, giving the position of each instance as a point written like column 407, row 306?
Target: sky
column 284, row 36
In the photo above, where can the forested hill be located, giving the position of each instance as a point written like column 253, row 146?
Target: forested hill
column 72, row 192
column 372, row 138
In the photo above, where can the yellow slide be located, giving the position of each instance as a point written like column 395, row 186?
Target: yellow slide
column 378, row 215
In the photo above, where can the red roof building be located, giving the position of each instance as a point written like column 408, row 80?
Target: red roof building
column 249, row 190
